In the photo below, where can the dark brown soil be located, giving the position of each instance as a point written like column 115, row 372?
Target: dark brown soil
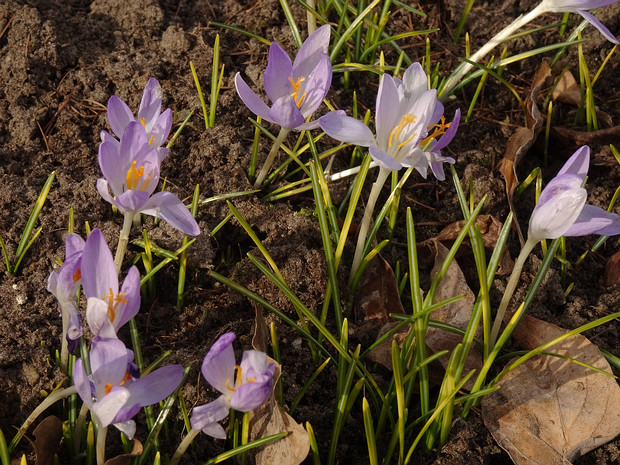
column 60, row 61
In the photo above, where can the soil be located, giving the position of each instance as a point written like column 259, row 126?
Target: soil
column 60, row 61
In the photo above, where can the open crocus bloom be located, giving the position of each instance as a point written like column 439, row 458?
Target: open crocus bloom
column 562, row 209
column 409, row 120
column 64, row 285
column 107, row 308
column 295, row 89
column 113, row 392
column 131, row 170
column 244, row 387
column 580, row 6
column 156, row 124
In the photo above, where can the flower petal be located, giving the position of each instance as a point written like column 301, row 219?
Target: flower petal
column 251, row 100
column 99, row 276
column 218, row 366
column 311, row 52
column 387, row 116
column 205, row 417
column 108, row 361
column 82, row 383
column 600, row 26
column 150, row 105
column 577, row 164
column 128, row 428
column 73, row 244
column 103, row 187
column 155, row 386
column 316, row 86
column 415, row 81
column 279, row 69
column 346, row 129
column 119, row 115
column 450, row 132
column 106, row 408
column 383, row 159
column 168, row 207
column 132, row 200
column 161, row 129
column 131, row 294
column 112, row 166
column 554, row 217
column 249, row 396
column 284, row 112
column 595, row 220
column 98, row 320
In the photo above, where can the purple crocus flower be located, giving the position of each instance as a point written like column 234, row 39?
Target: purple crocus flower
column 295, row 89
column 580, row 7
column 244, row 387
column 107, row 309
column 64, row 285
column 131, row 170
column 409, row 120
column 113, row 392
column 561, row 209
column 156, row 124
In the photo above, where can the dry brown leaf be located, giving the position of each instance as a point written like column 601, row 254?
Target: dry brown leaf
column 269, row 419
column 602, row 136
column 549, row 411
column 124, row 459
column 47, row 439
column 612, row 270
column 457, row 313
column 523, row 138
column 567, row 90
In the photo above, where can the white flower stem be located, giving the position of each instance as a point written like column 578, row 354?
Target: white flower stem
column 310, row 17
column 64, row 345
column 510, row 288
column 346, row 173
column 102, row 432
column 123, row 240
column 460, row 72
column 367, row 219
column 187, row 440
column 48, row 402
column 271, row 157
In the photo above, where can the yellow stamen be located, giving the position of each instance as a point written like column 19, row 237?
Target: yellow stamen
column 133, row 177
column 108, row 388
column 151, row 139
column 142, row 122
column 405, row 120
column 238, row 379
column 440, row 129
column 296, row 86
column 113, row 303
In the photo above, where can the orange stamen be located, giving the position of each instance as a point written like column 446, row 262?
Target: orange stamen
column 108, row 388
column 405, row 120
column 77, row 275
column 440, row 129
column 113, row 303
column 296, row 86
column 142, row 122
column 134, row 175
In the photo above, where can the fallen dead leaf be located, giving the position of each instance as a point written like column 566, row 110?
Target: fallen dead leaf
column 125, row 459
column 47, row 439
column 567, row 90
column 602, row 136
column 612, row 270
column 549, row 411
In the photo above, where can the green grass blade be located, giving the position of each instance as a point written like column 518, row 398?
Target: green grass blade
column 292, row 24
column 178, row 131
column 240, row 31
column 200, row 94
column 215, row 82
column 351, row 30
column 245, row 448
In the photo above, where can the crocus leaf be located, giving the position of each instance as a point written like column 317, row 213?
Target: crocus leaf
column 550, row 410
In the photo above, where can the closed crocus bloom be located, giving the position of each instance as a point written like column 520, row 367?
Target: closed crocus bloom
column 107, row 308
column 244, row 387
column 295, row 89
column 156, row 123
column 113, row 392
column 561, row 209
column 580, row 6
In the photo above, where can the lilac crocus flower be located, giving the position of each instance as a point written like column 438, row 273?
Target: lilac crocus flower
column 131, row 170
column 107, row 308
column 295, row 89
column 64, row 285
column 561, row 209
column 244, row 387
column 409, row 120
column 113, row 392
column 156, row 123
column 580, row 7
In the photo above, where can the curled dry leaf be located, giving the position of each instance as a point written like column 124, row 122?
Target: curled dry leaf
column 612, row 270
column 47, row 439
column 523, row 138
column 549, row 411
column 125, row 459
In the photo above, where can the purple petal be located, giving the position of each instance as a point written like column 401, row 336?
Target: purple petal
column 450, row 132
column 383, row 159
column 82, row 383
column 133, row 142
column 218, row 366
column 103, row 187
column 249, row 396
column 346, row 129
column 161, row 129
column 279, row 69
column 112, row 166
column 595, row 220
column 597, row 24
column 387, row 116
column 415, row 81
column 119, row 115
column 255, row 364
column 316, row 87
column 108, row 361
column 99, row 276
column 205, row 417
column 107, row 408
column 577, row 164
column 553, row 218
column 560, row 183
column 155, row 386
column 150, row 105
column 311, row 51
column 73, row 244
column 74, row 329
column 131, row 293
column 284, row 112
column 251, row 100
column 169, row 208
column 128, row 428
column 98, row 319
column 132, row 200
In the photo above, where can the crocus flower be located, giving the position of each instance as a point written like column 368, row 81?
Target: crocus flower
column 150, row 116
column 562, row 209
column 580, row 6
column 131, row 170
column 107, row 309
column 409, row 121
column 295, row 89
column 113, row 392
column 64, row 285
column 244, row 387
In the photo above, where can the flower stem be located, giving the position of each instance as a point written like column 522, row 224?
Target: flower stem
column 187, row 440
column 102, row 432
column 510, row 289
column 310, row 17
column 367, row 220
column 460, row 72
column 123, row 240
column 64, row 345
column 271, row 157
